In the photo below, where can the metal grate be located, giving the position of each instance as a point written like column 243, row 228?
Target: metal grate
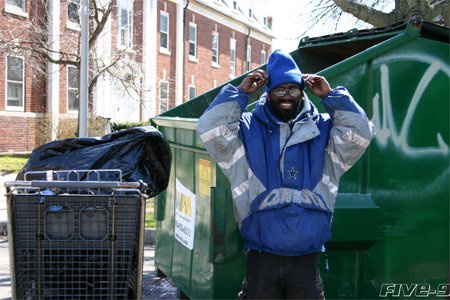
column 76, row 246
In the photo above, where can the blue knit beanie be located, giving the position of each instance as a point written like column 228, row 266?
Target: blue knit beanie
column 283, row 69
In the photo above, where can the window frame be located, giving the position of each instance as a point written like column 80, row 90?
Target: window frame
column 77, row 4
column 215, row 62
column 192, row 87
column 70, row 88
column 125, row 31
column 8, row 81
column 235, row 6
column 248, row 58
column 263, row 57
column 166, row 100
column 167, row 33
column 16, row 8
column 192, row 42
column 233, row 46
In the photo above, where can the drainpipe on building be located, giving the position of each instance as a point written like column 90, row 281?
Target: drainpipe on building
column 179, row 73
column 53, row 14
column 148, row 107
column 247, row 42
column 184, row 40
column 84, row 67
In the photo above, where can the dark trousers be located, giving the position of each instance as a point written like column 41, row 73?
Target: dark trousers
column 272, row 276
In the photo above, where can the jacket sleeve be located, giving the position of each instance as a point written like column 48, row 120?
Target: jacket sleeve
column 350, row 136
column 219, row 129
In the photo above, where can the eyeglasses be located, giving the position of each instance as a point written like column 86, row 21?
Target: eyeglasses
column 293, row 92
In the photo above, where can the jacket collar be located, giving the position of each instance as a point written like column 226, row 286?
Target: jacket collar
column 265, row 114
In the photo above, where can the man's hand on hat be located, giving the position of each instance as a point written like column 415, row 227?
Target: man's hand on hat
column 253, row 81
column 318, row 85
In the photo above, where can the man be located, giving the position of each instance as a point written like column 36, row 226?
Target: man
column 284, row 161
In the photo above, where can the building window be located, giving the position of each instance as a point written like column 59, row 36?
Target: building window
column 235, row 5
column 72, row 89
column 250, row 13
column 73, row 8
column 192, row 40
column 17, row 3
column 126, row 23
column 164, row 31
column 248, row 60
column 15, row 83
column 163, row 95
column 192, row 91
column 215, row 48
column 232, row 58
column 263, row 57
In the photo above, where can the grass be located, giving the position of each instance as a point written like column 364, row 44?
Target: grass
column 150, row 221
column 12, row 163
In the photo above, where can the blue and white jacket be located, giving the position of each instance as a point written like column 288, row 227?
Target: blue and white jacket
column 284, row 177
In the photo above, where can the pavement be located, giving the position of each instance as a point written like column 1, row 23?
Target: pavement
column 153, row 287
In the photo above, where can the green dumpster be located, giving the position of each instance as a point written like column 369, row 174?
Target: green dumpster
column 390, row 235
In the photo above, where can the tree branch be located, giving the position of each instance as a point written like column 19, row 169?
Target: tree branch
column 367, row 13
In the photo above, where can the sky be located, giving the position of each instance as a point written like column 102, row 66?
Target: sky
column 287, row 23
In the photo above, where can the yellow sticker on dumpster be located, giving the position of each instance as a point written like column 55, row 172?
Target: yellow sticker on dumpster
column 204, row 176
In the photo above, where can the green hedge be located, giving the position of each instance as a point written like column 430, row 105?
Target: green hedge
column 119, row 126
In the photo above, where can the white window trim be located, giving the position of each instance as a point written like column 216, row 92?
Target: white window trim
column 163, row 49
column 16, row 10
column 128, row 6
column 71, row 111
column 189, row 90
column 233, row 43
column 9, row 107
column 193, row 58
column 215, row 64
column 248, row 58
column 73, row 26
column 161, row 98
column 70, row 24
column 235, row 6
column 263, row 53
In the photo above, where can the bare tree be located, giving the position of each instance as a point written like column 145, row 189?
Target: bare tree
column 34, row 43
column 377, row 12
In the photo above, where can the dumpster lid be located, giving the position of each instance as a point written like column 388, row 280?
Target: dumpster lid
column 427, row 30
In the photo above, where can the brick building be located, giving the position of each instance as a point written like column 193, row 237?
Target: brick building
column 172, row 49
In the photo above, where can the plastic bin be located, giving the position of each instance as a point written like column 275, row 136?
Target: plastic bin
column 75, row 236
column 390, row 234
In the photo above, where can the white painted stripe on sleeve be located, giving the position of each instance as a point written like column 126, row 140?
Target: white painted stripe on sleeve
column 240, row 152
column 222, row 130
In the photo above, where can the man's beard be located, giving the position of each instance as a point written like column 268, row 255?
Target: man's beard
column 286, row 114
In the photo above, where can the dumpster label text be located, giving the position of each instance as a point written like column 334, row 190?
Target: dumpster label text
column 405, row 290
column 204, row 176
column 184, row 215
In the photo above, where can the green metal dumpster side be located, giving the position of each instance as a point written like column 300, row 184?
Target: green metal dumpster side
column 390, row 235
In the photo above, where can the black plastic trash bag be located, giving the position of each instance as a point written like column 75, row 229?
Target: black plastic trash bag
column 141, row 153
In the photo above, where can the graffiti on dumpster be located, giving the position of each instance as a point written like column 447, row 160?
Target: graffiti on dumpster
column 384, row 118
